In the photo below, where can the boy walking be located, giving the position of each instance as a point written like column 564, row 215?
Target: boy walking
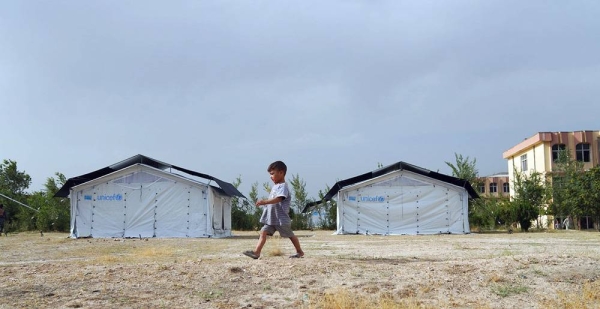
column 275, row 216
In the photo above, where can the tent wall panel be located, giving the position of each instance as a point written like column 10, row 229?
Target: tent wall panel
column 198, row 225
column 172, row 211
column 143, row 201
column 139, row 214
column 402, row 202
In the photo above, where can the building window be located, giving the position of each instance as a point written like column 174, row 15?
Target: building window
column 556, row 150
column 505, row 187
column 493, row 187
column 524, row 163
column 582, row 152
column 482, row 188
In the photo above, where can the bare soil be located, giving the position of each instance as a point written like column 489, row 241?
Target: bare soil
column 490, row 270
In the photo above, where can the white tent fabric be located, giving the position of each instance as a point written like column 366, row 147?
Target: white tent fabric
column 142, row 201
column 402, row 203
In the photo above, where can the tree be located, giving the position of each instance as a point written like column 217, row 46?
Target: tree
column 488, row 212
column 592, row 199
column 529, row 199
column 13, row 184
column 54, row 214
column 12, row 180
column 240, row 219
column 465, row 169
column 329, row 211
column 299, row 221
column 253, row 193
column 253, row 211
column 570, row 187
column 481, row 213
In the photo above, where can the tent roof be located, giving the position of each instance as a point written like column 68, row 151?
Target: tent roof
column 228, row 188
column 388, row 169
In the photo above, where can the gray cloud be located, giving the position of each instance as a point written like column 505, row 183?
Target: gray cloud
column 333, row 88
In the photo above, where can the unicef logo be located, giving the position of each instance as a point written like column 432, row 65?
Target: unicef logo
column 114, row 197
column 367, row 198
column 373, row 199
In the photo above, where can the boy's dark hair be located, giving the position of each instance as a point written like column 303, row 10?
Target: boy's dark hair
column 277, row 166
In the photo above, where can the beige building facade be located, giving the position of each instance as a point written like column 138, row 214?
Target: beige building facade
column 539, row 153
column 497, row 185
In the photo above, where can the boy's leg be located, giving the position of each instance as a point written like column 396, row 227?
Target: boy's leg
column 262, row 239
column 296, row 243
column 286, row 231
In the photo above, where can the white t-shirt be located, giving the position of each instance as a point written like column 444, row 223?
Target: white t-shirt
column 278, row 214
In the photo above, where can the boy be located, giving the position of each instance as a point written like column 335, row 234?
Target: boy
column 275, row 213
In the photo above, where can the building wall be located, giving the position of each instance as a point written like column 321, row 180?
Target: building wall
column 499, row 180
column 538, row 150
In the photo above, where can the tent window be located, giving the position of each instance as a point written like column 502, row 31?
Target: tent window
column 139, row 177
column 400, row 181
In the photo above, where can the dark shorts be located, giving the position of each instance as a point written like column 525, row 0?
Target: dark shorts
column 284, row 230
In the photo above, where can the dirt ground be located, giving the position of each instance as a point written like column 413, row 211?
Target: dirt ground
column 490, row 270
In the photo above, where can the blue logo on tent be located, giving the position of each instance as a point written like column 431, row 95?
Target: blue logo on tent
column 114, row 197
column 352, row 198
column 377, row 199
column 87, row 197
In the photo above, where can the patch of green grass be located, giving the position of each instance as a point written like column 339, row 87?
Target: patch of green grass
column 504, row 290
column 539, row 272
column 211, row 294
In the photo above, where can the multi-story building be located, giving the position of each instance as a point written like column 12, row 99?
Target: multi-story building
column 540, row 152
column 496, row 185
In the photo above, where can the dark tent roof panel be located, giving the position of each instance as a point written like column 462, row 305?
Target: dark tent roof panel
column 388, row 169
column 228, row 188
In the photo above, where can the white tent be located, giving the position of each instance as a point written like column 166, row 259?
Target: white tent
column 138, row 198
column 401, row 199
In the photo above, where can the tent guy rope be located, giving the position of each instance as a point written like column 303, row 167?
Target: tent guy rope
column 37, row 210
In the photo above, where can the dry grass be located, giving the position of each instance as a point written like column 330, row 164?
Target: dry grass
column 539, row 270
column 275, row 249
column 589, row 297
column 344, row 299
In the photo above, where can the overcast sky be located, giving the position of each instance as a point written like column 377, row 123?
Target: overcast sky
column 332, row 88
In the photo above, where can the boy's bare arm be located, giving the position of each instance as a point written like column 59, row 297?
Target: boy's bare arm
column 274, row 200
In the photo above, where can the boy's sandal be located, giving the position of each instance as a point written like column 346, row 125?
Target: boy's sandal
column 296, row 256
column 251, row 254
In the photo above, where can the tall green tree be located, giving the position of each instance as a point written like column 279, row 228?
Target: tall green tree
column 14, row 183
column 328, row 211
column 253, row 193
column 464, row 168
column 253, row 211
column 592, row 199
column 529, row 199
column 480, row 212
column 569, row 187
column 240, row 218
column 54, row 213
column 299, row 221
